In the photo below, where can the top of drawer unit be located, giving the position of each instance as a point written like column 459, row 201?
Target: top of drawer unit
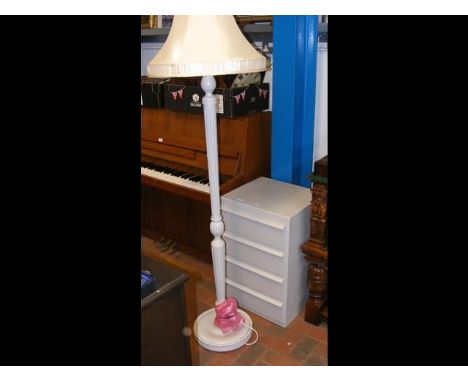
column 265, row 194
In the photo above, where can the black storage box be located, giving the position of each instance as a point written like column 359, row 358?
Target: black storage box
column 232, row 102
column 152, row 93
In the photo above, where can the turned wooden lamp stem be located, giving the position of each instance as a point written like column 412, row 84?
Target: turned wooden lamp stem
column 218, row 246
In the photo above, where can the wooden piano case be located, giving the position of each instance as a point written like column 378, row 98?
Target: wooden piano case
column 177, row 140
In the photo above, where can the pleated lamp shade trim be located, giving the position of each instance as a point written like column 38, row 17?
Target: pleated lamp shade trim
column 195, row 69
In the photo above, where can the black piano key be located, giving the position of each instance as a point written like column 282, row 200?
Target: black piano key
column 204, row 181
column 186, row 176
column 192, row 178
column 179, row 173
column 166, row 170
column 196, row 178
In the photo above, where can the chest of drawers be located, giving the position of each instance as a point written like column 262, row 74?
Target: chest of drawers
column 266, row 221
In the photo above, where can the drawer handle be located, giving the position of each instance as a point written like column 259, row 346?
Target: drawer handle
column 255, row 220
column 260, row 296
column 252, row 244
column 255, row 270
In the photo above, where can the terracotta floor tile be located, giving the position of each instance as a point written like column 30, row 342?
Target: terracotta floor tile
column 207, row 274
column 250, row 356
column 280, row 359
column 195, row 351
column 278, row 344
column 299, row 326
column 191, row 263
column 206, row 296
column 227, row 358
column 321, row 350
column 296, row 329
column 207, row 285
column 303, row 349
column 313, row 360
column 202, row 307
column 204, row 356
column 276, row 330
column 258, row 320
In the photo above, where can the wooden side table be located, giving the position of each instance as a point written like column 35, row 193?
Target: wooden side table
column 164, row 342
column 316, row 248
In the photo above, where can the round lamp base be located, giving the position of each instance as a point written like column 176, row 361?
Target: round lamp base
column 212, row 338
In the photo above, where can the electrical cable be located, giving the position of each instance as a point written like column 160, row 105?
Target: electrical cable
column 256, row 333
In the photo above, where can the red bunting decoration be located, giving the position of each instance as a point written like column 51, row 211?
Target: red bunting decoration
column 238, row 97
column 179, row 93
column 262, row 93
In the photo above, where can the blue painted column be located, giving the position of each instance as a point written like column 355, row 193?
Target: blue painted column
column 294, row 76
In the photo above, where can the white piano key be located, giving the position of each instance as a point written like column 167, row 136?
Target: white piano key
column 175, row 180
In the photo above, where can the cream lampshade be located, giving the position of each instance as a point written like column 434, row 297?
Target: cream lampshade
column 205, row 46
column 208, row 46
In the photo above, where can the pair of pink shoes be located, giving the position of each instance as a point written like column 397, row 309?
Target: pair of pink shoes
column 227, row 317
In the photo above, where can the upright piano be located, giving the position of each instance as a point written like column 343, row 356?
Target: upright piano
column 175, row 200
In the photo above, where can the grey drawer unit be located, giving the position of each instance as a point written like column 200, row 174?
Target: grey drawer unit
column 266, row 222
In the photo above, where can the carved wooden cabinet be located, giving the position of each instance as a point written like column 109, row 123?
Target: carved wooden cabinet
column 316, row 248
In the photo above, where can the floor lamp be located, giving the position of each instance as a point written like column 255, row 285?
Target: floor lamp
column 205, row 46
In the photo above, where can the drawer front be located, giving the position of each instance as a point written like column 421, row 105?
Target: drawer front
column 264, row 233
column 252, row 253
column 253, row 302
column 239, row 207
column 260, row 281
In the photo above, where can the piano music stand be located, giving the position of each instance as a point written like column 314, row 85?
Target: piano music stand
column 207, row 46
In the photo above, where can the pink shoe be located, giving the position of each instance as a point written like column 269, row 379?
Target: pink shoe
column 227, row 317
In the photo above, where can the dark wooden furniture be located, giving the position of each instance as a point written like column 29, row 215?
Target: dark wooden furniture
column 177, row 140
column 316, row 248
column 163, row 318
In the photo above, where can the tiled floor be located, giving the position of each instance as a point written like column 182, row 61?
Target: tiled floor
column 299, row 344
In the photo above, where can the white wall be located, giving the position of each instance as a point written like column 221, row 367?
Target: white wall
column 148, row 51
column 321, row 103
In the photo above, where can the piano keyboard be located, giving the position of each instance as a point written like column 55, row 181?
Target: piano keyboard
column 180, row 178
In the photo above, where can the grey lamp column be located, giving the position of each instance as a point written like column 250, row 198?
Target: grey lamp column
column 208, row 335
